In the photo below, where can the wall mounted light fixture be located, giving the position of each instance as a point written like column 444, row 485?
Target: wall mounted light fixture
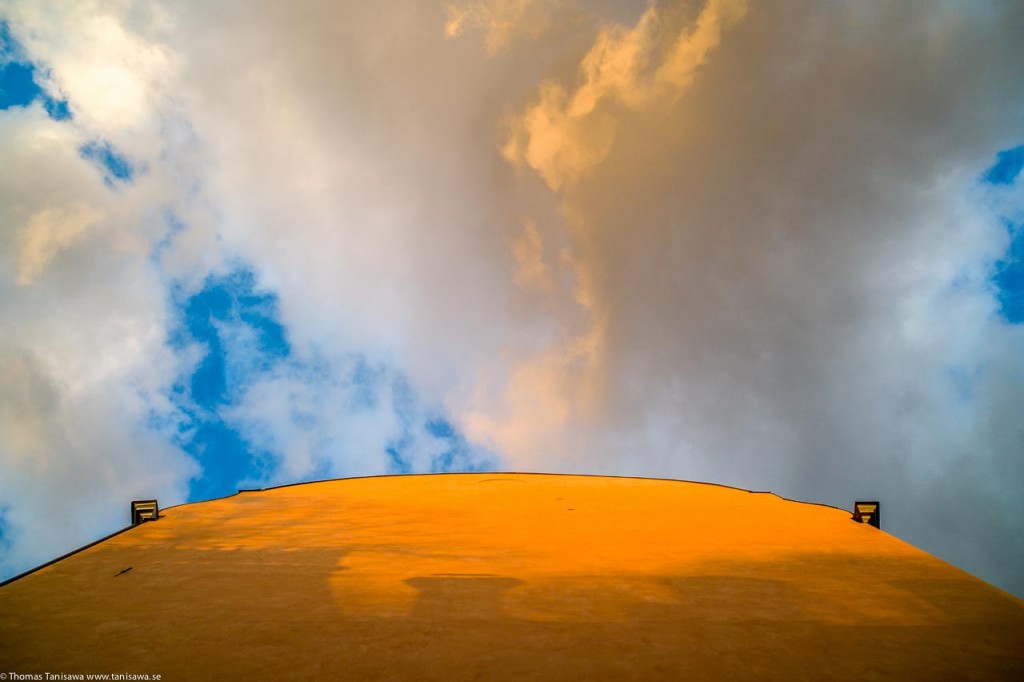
column 144, row 510
column 868, row 512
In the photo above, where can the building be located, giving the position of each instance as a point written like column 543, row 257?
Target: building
column 508, row 577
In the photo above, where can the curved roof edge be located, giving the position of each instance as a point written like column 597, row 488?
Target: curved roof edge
column 517, row 473
column 62, row 557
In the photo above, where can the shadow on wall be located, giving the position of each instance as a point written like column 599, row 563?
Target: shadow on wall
column 300, row 613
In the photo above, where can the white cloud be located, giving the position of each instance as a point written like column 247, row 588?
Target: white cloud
column 86, row 421
column 115, row 74
column 82, row 349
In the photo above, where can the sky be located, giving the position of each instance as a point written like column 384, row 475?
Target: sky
column 774, row 245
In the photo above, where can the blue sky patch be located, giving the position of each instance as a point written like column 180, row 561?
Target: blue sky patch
column 464, row 457
column 5, row 542
column 225, row 456
column 1008, row 166
column 397, row 464
column 440, row 428
column 57, row 109
column 17, row 88
column 115, row 166
column 174, row 227
column 1009, row 278
column 1008, row 273
column 460, row 455
column 19, row 85
column 456, row 455
column 224, row 303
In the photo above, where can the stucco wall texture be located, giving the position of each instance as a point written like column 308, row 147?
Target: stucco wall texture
column 509, row 577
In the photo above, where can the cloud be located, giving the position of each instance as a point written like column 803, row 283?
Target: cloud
column 332, row 419
column 115, row 79
column 649, row 64
column 85, row 424
column 501, row 20
column 746, row 243
column 785, row 259
column 49, row 232
column 69, row 453
column 531, row 272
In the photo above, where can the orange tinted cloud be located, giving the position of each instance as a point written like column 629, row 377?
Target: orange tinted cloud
column 565, row 134
column 501, row 21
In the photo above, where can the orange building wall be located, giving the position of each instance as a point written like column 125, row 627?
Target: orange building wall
column 509, row 577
